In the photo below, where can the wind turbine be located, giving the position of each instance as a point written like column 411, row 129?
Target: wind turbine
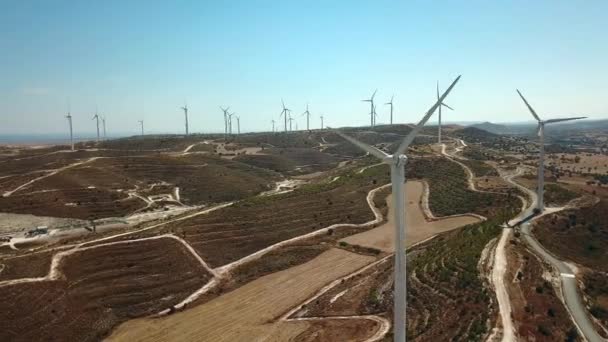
column 69, row 117
column 290, row 121
column 273, row 126
column 391, row 104
column 439, row 121
column 225, row 120
column 230, row 122
column 284, row 113
column 238, row 125
column 371, row 111
column 541, row 162
column 96, row 117
column 141, row 122
column 103, row 121
column 397, row 163
column 321, row 121
column 307, row 118
column 185, row 109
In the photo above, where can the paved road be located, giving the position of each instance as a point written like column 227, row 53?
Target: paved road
column 568, row 280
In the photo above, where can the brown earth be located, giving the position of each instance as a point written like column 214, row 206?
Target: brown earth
column 27, row 266
column 101, row 287
column 72, row 203
column 338, row 330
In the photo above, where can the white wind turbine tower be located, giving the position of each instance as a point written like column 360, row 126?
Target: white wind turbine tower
column 541, row 162
column 69, row 117
column 439, row 120
column 290, row 121
column 225, row 120
column 103, row 121
column 307, row 113
column 273, row 126
column 141, row 122
column 397, row 163
column 391, row 104
column 185, row 109
column 284, row 113
column 321, row 121
column 96, row 117
column 238, row 125
column 230, row 122
column 372, row 109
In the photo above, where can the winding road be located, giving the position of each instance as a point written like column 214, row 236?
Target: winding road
column 572, row 298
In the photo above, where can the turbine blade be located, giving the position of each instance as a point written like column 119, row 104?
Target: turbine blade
column 528, row 105
column 365, row 147
column 374, row 94
column 410, row 137
column 448, row 107
column 565, row 119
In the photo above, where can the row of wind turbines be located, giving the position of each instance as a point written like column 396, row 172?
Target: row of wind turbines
column 397, row 162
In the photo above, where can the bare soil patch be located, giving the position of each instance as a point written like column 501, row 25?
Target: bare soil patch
column 418, row 228
column 338, row 330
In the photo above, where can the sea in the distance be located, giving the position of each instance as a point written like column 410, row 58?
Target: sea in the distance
column 43, row 139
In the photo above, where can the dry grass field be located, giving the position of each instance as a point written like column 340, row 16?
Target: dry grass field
column 248, row 313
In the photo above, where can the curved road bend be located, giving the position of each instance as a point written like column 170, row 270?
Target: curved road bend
column 571, row 295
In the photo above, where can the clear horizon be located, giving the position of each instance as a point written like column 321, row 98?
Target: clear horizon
column 151, row 58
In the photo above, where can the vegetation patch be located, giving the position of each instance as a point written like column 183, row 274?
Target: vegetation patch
column 449, row 193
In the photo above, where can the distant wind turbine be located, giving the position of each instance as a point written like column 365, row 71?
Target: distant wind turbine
column 321, row 121
column 225, row 121
column 103, row 120
column 230, row 122
column 69, row 117
column 397, row 164
column 238, row 125
column 541, row 162
column 141, row 122
column 285, row 113
column 96, row 117
column 307, row 113
column 185, row 109
column 371, row 111
column 290, row 121
column 273, row 125
column 439, row 119
column 391, row 104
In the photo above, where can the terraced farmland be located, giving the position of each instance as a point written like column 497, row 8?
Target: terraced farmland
column 102, row 287
column 447, row 297
column 449, row 193
column 72, row 203
column 291, row 160
column 234, row 232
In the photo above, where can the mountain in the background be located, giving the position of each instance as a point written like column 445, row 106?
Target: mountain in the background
column 493, row 128
column 529, row 128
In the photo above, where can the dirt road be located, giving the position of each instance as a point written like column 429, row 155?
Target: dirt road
column 418, row 228
column 248, row 313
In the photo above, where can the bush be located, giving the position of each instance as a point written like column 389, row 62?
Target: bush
column 544, row 330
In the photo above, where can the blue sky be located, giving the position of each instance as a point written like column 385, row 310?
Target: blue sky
column 143, row 59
